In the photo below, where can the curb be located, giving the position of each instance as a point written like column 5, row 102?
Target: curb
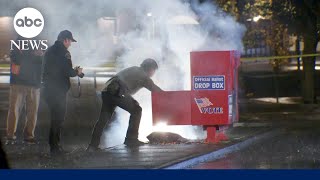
column 222, row 152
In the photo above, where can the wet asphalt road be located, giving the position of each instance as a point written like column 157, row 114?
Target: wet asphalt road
column 295, row 148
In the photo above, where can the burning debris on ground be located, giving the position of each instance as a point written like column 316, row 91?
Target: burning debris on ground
column 166, row 138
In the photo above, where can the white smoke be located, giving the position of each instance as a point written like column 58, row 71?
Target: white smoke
column 166, row 30
column 170, row 43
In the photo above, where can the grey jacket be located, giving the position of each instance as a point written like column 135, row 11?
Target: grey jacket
column 129, row 81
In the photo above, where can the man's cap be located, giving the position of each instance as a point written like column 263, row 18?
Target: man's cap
column 66, row 35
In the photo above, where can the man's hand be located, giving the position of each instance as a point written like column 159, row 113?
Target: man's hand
column 79, row 71
column 15, row 69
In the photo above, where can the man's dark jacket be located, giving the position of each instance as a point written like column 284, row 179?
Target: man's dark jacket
column 30, row 68
column 57, row 68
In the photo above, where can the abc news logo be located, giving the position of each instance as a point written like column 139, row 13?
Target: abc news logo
column 28, row 23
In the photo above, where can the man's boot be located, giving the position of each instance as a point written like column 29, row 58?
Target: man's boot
column 57, row 150
column 91, row 148
column 133, row 142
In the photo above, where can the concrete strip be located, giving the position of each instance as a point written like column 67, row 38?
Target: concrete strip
column 223, row 152
column 252, row 124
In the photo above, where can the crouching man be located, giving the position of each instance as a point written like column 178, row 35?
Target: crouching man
column 118, row 92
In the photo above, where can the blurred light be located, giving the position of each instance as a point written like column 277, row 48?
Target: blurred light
column 6, row 20
column 160, row 127
column 257, row 18
column 149, row 14
column 282, row 100
column 183, row 20
column 107, row 18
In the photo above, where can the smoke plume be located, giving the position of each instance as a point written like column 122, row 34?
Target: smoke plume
column 130, row 31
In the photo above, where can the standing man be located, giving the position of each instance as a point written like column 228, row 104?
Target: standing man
column 57, row 70
column 118, row 92
column 25, row 80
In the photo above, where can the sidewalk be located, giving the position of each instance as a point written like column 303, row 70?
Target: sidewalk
column 119, row 157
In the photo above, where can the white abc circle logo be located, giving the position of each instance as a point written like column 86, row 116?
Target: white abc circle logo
column 28, row 22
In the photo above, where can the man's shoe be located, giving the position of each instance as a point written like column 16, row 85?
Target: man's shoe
column 93, row 149
column 30, row 141
column 57, row 151
column 133, row 142
column 11, row 140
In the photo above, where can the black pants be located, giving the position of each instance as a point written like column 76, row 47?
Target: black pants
column 110, row 102
column 57, row 105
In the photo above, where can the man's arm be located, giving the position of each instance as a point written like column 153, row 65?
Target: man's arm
column 37, row 57
column 15, row 56
column 44, row 69
column 149, row 84
column 68, row 70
